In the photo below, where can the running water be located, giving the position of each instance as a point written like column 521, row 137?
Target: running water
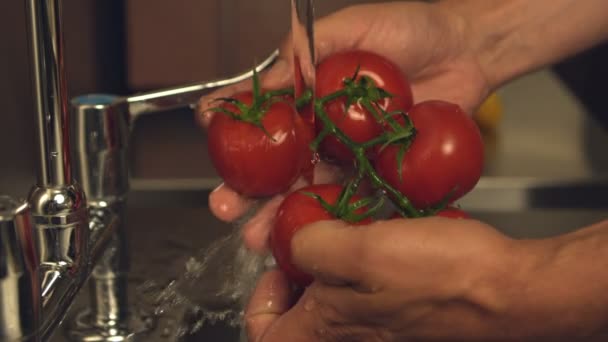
column 217, row 281
column 213, row 287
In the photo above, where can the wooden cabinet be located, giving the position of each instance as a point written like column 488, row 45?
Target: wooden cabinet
column 181, row 41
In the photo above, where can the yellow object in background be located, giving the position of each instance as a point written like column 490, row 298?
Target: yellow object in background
column 489, row 114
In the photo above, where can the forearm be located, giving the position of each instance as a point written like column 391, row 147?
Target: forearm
column 512, row 37
column 561, row 288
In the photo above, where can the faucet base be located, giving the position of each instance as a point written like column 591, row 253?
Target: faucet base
column 82, row 329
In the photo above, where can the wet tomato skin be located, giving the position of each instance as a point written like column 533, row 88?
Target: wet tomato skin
column 445, row 157
column 251, row 162
column 296, row 211
column 356, row 121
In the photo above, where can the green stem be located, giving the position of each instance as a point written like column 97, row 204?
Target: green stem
column 365, row 167
column 304, row 99
column 329, row 125
column 381, row 139
column 331, row 97
column 392, row 122
column 279, row 92
column 402, row 202
column 300, row 102
column 349, row 191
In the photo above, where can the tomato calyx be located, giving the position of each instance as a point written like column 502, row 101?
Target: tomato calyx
column 361, row 162
column 344, row 210
column 362, row 89
column 398, row 134
column 364, row 92
column 254, row 113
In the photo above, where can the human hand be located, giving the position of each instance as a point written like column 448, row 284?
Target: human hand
column 426, row 41
column 427, row 279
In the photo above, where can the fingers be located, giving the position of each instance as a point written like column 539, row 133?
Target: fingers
column 227, row 205
column 350, row 304
column 331, row 251
column 256, row 231
column 279, row 75
column 317, row 317
column 330, row 37
column 270, row 300
column 269, row 316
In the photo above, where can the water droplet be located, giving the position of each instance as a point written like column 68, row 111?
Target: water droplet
column 309, row 305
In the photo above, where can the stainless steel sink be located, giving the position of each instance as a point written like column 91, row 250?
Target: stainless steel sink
column 161, row 239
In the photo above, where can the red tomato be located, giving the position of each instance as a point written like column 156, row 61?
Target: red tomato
column 296, row 211
column 248, row 160
column 356, row 121
column 446, row 155
column 455, row 213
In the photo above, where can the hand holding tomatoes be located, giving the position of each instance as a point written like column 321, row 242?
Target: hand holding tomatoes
column 421, row 157
column 399, row 280
column 424, row 43
column 301, row 208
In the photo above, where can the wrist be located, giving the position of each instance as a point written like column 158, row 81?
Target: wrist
column 499, row 283
column 489, row 29
column 513, row 37
column 552, row 289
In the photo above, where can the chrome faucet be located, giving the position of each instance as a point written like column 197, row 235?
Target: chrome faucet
column 70, row 229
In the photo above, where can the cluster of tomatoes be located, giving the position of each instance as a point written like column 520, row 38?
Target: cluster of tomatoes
column 421, row 156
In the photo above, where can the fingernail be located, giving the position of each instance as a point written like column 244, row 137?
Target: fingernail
column 203, row 116
column 278, row 74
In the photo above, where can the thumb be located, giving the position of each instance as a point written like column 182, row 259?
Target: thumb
column 332, row 252
column 270, row 300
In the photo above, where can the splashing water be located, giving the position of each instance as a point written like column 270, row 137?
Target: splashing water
column 214, row 287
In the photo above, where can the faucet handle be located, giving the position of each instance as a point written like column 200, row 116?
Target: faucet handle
column 100, row 130
column 19, row 280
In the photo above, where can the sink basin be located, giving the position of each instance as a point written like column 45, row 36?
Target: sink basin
column 162, row 238
column 160, row 241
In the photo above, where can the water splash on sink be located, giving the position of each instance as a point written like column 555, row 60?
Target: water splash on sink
column 214, row 287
